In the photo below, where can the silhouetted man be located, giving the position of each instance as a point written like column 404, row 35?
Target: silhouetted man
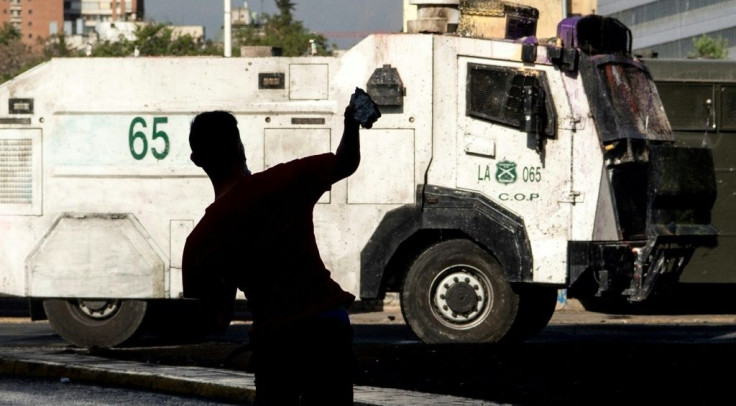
column 258, row 236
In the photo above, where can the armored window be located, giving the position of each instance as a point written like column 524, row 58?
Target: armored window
column 510, row 96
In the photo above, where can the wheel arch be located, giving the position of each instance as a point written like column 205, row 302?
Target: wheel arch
column 440, row 214
column 97, row 255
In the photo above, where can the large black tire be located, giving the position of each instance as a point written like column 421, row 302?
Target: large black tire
column 455, row 292
column 96, row 323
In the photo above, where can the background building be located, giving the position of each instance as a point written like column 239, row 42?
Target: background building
column 81, row 17
column 668, row 27
column 34, row 18
column 82, row 22
column 39, row 19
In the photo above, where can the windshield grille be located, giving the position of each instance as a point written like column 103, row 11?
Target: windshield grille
column 636, row 101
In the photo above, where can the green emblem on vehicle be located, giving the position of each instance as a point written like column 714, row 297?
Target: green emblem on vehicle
column 506, row 172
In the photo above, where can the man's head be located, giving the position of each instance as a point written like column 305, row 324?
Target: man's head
column 216, row 147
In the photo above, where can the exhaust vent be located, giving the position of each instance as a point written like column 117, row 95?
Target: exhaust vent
column 16, row 172
column 20, row 171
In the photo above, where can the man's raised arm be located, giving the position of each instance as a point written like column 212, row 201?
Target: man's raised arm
column 348, row 152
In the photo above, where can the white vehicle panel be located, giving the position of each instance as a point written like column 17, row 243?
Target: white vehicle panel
column 530, row 183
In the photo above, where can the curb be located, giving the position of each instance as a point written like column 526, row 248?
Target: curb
column 210, row 383
column 220, row 385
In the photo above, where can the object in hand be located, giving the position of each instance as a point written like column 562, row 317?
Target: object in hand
column 366, row 111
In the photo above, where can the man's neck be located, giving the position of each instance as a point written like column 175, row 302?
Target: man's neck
column 222, row 186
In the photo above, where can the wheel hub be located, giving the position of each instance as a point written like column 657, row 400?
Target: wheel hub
column 98, row 309
column 460, row 296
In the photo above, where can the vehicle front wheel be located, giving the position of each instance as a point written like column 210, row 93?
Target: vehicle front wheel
column 456, row 292
column 96, row 322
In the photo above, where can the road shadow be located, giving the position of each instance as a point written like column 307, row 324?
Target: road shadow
column 565, row 365
column 618, row 369
column 14, row 307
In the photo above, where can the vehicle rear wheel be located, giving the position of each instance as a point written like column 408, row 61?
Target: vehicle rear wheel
column 96, row 322
column 455, row 292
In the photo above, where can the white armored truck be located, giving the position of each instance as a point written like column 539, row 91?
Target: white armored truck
column 501, row 171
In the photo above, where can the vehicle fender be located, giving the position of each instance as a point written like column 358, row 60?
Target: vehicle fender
column 96, row 256
column 453, row 212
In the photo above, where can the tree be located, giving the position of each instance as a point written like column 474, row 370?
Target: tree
column 15, row 56
column 8, row 34
column 282, row 31
column 285, row 7
column 152, row 39
column 156, row 39
column 708, row 48
column 57, row 47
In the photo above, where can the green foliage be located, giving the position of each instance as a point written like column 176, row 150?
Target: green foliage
column 152, row 39
column 155, row 39
column 709, row 48
column 15, row 56
column 57, row 47
column 109, row 48
column 282, row 31
column 8, row 34
column 285, row 7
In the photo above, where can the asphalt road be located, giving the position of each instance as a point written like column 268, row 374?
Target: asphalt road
column 34, row 392
column 580, row 358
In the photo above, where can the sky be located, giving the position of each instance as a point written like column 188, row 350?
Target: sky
column 341, row 18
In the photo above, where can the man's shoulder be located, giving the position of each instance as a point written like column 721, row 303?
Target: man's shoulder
column 202, row 231
column 195, row 238
column 304, row 161
column 297, row 168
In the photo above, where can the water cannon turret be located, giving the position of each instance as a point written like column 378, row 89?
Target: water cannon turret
column 474, row 18
column 497, row 19
column 594, row 34
column 435, row 16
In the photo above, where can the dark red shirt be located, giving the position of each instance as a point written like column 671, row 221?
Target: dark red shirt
column 259, row 236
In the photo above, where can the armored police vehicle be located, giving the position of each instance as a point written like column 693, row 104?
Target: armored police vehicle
column 502, row 170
